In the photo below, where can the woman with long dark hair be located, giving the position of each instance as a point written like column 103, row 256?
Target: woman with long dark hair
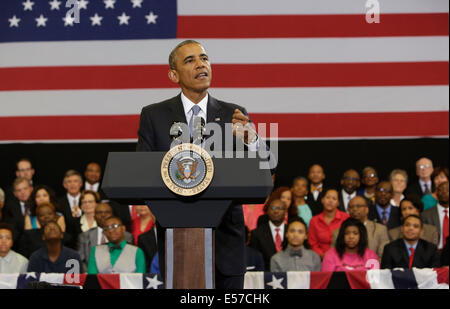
column 351, row 252
column 296, row 255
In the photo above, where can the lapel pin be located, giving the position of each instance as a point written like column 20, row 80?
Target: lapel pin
column 217, row 119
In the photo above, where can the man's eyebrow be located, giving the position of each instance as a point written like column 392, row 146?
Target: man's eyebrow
column 192, row 56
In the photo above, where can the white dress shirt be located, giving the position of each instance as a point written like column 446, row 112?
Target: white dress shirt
column 423, row 183
column 74, row 201
column 347, row 197
column 22, row 207
column 93, row 187
column 274, row 232
column 441, row 213
column 13, row 263
column 100, row 235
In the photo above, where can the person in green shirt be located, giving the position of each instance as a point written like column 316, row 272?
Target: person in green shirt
column 116, row 256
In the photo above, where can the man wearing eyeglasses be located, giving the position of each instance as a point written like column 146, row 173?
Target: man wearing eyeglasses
column 377, row 234
column 383, row 212
column 424, row 185
column 116, row 256
column 269, row 236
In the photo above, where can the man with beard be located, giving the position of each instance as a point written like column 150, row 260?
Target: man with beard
column 383, row 212
column 410, row 251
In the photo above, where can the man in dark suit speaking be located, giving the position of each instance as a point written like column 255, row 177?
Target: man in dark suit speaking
column 191, row 69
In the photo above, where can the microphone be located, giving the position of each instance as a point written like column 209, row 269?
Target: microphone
column 199, row 130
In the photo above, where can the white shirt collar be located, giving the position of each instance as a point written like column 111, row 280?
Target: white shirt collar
column 71, row 198
column 8, row 257
column 187, row 105
column 441, row 209
column 88, row 186
column 273, row 227
column 423, row 183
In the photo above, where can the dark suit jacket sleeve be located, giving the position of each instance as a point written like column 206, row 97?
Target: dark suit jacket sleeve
column 145, row 132
column 386, row 260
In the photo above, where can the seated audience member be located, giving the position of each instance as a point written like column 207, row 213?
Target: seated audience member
column 377, row 234
column 412, row 205
column 88, row 201
column 92, row 176
column 350, row 182
column 351, row 251
column 70, row 202
column 316, row 176
column 410, row 251
column 438, row 216
column 399, row 181
column 369, row 180
column 382, row 211
column 255, row 260
column 24, row 169
column 10, row 261
column 285, row 195
column 42, row 195
column 300, row 193
column 149, row 244
column 54, row 257
column 2, row 203
column 439, row 176
column 268, row 237
column 96, row 235
column 142, row 221
column 322, row 226
column 32, row 240
column 117, row 256
column 295, row 255
column 424, row 169
column 445, row 255
column 16, row 209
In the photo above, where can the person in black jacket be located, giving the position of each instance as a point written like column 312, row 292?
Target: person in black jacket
column 410, row 251
column 444, row 255
column 147, row 242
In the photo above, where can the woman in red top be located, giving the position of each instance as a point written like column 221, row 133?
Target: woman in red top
column 321, row 227
column 142, row 220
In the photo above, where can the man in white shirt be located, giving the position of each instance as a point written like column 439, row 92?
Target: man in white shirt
column 10, row 261
column 92, row 174
column 350, row 182
column 439, row 215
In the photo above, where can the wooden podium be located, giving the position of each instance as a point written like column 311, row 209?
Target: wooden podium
column 135, row 178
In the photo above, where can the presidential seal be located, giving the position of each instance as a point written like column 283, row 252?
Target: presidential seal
column 187, row 169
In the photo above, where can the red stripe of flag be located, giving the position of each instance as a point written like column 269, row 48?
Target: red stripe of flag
column 405, row 124
column 311, row 26
column 319, row 280
column 229, row 76
column 357, row 279
column 109, row 281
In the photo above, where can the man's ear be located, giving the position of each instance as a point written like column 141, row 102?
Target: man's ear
column 173, row 76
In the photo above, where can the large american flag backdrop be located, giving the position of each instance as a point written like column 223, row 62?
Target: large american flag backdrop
column 315, row 67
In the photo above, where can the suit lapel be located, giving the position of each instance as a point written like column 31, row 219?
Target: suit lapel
column 436, row 219
column 404, row 252
column 213, row 111
column 177, row 109
column 94, row 236
column 370, row 227
column 268, row 239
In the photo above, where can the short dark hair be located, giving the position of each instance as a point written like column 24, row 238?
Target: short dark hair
column 71, row 173
column 114, row 217
column 415, row 200
column 413, row 216
column 293, row 220
column 173, row 53
column 439, row 170
column 7, row 226
column 52, row 222
column 363, row 240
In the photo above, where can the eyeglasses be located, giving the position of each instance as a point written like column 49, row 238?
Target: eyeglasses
column 370, row 176
column 422, row 167
column 277, row 207
column 111, row 227
column 88, row 202
column 384, row 190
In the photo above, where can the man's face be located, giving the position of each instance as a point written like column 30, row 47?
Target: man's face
column 370, row 178
column 114, row 231
column 316, row 174
column 6, row 242
column 276, row 212
column 383, row 193
column 424, row 168
column 52, row 232
column 102, row 212
column 358, row 209
column 73, row 184
column 412, row 229
column 398, row 183
column 22, row 191
column 442, row 194
column 193, row 70
column 296, row 234
column 93, row 173
column 25, row 170
column 350, row 182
